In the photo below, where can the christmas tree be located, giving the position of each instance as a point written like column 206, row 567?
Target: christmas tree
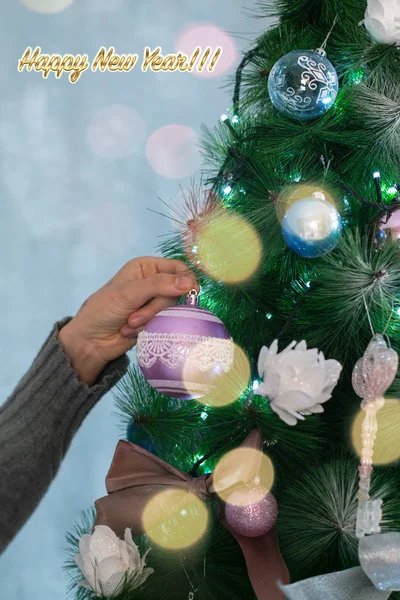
column 293, row 234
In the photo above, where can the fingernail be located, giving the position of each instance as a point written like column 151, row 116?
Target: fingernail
column 183, row 283
column 136, row 321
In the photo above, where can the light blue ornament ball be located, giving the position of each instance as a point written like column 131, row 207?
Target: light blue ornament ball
column 312, row 226
column 303, row 84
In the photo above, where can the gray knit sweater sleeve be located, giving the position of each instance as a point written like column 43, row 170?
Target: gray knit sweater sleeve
column 37, row 424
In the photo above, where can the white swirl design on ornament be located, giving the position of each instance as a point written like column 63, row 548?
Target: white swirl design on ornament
column 316, row 73
column 173, row 349
column 296, row 100
column 314, row 76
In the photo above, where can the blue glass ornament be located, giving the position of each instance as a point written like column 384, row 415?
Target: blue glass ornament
column 380, row 236
column 312, row 226
column 303, row 84
column 138, row 436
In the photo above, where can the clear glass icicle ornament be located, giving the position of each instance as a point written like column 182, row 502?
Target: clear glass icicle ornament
column 373, row 374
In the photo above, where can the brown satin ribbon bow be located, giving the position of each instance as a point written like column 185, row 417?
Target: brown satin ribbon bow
column 136, row 475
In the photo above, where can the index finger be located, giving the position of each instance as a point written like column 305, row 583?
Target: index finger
column 144, row 267
column 155, row 265
column 170, row 265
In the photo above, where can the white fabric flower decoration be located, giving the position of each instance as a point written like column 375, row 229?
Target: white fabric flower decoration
column 105, row 561
column 382, row 20
column 296, row 380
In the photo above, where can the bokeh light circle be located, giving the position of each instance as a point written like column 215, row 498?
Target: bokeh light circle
column 293, row 193
column 116, row 131
column 47, row 6
column 173, row 151
column 229, row 248
column 387, row 442
column 175, row 519
column 204, row 36
column 227, row 387
column 242, row 465
column 104, row 5
column 248, row 495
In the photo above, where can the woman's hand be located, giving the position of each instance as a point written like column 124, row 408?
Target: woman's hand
column 108, row 322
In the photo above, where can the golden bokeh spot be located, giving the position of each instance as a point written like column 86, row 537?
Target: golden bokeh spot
column 175, row 519
column 242, row 465
column 387, row 443
column 229, row 249
column 297, row 192
column 47, row 6
column 248, row 495
column 225, row 388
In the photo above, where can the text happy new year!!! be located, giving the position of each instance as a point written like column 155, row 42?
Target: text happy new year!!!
column 109, row 60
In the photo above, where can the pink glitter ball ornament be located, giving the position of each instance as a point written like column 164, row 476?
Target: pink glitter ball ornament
column 184, row 349
column 251, row 511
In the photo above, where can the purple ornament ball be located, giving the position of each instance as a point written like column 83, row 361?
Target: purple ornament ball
column 251, row 511
column 183, row 350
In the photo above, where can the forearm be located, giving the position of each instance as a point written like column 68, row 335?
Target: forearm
column 37, row 424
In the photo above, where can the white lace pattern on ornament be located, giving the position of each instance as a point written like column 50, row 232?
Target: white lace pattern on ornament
column 173, row 349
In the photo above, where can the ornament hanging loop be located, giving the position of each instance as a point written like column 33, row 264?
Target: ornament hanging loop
column 384, row 334
column 192, row 299
column 368, row 315
column 321, row 50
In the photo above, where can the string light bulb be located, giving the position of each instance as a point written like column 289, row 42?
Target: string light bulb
column 377, row 181
column 357, row 76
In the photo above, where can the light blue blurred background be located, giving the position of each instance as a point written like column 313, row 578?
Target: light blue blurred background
column 71, row 215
